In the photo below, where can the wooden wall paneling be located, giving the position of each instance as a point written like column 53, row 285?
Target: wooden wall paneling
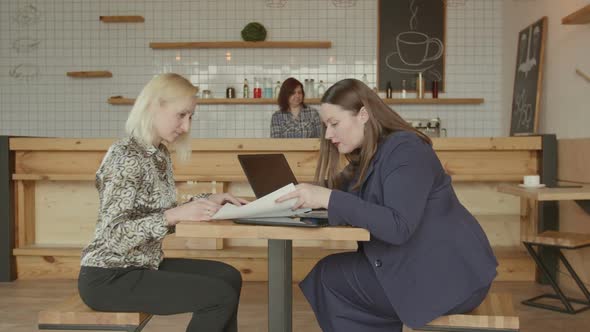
column 501, row 230
column 66, row 212
column 573, row 160
column 25, row 213
column 47, row 267
column 488, row 165
column 531, row 144
column 483, row 198
column 252, row 262
column 73, row 162
column 58, row 162
column 528, row 216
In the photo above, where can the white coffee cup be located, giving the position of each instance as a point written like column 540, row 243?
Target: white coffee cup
column 531, row 180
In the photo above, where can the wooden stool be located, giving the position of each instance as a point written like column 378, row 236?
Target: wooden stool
column 559, row 240
column 73, row 314
column 495, row 313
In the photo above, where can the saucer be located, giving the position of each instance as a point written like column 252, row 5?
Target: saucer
column 522, row 185
column 394, row 62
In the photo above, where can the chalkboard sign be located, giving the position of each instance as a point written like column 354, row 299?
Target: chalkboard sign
column 528, row 78
column 411, row 40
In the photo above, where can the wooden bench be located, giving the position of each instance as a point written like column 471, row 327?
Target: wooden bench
column 558, row 240
column 73, row 314
column 495, row 313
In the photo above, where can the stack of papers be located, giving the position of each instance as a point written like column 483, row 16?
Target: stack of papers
column 264, row 207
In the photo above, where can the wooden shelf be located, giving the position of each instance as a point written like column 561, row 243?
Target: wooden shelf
column 121, row 19
column 121, row 101
column 314, row 101
column 90, row 74
column 242, row 44
column 547, row 194
column 434, row 101
column 581, row 16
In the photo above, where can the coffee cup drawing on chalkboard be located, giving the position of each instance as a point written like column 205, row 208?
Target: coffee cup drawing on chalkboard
column 413, row 52
column 413, row 48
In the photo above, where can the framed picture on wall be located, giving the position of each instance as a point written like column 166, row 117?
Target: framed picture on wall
column 411, row 40
column 528, row 79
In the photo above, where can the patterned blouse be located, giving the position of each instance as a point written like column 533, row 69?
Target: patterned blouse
column 308, row 125
column 135, row 186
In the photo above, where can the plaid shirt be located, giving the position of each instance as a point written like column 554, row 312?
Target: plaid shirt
column 307, row 125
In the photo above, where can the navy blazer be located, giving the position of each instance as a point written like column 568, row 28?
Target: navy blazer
column 428, row 252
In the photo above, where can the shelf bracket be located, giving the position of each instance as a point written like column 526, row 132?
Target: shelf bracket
column 584, row 204
column 584, row 75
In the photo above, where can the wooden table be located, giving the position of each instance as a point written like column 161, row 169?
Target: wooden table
column 280, row 245
column 531, row 196
column 550, row 242
column 547, row 194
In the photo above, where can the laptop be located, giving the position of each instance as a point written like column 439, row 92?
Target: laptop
column 267, row 173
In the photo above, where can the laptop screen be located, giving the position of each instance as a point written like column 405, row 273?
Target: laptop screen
column 266, row 172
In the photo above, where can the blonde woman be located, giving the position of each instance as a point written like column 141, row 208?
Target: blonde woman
column 123, row 268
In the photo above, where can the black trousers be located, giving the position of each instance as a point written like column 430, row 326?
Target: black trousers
column 208, row 289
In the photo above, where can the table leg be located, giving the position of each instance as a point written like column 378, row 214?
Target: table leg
column 280, row 278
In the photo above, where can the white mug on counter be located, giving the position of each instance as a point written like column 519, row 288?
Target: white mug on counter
column 531, row 180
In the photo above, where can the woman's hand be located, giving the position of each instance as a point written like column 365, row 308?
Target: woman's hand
column 198, row 210
column 226, row 198
column 308, row 196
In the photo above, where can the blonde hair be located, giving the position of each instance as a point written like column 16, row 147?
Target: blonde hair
column 160, row 89
column 352, row 95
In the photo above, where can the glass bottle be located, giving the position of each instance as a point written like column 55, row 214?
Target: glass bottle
column 365, row 80
column 435, row 89
column 420, row 86
column 267, row 87
column 404, row 88
column 321, row 89
column 257, row 88
column 311, row 88
column 277, row 89
column 389, row 90
column 246, row 89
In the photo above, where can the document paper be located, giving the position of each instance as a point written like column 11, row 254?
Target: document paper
column 264, row 207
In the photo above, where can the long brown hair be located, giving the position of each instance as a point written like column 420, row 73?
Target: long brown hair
column 287, row 90
column 352, row 95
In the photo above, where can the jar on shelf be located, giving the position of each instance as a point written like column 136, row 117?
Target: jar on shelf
column 207, row 94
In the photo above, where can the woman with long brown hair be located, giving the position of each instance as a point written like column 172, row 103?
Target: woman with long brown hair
column 427, row 255
column 294, row 119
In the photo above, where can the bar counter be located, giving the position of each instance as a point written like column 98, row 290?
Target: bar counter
column 56, row 204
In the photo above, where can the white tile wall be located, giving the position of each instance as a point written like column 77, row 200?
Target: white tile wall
column 37, row 99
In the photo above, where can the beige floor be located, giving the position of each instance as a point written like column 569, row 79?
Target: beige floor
column 21, row 300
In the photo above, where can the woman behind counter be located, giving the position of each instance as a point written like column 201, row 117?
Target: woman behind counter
column 294, row 119
column 427, row 256
column 123, row 268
